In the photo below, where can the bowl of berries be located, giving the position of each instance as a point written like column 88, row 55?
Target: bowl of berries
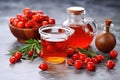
column 26, row 26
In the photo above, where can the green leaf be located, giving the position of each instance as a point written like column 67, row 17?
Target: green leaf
column 11, row 53
column 31, row 44
column 88, row 52
column 83, row 51
column 31, row 41
column 24, row 47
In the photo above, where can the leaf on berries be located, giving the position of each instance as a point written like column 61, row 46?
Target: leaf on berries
column 31, row 44
column 88, row 52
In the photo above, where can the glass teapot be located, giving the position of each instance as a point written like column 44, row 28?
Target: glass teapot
column 84, row 27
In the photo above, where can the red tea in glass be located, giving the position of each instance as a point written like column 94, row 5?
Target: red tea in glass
column 54, row 40
column 54, row 51
column 82, row 36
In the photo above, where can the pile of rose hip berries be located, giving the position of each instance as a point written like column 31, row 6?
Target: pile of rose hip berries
column 80, row 60
column 31, row 19
column 17, row 56
column 77, row 59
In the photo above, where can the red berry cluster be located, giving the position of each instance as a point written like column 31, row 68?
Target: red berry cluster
column 31, row 19
column 16, row 57
column 80, row 60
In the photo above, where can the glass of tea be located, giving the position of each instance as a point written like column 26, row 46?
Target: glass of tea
column 54, row 40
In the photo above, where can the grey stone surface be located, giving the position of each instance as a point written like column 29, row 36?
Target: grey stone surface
column 27, row 70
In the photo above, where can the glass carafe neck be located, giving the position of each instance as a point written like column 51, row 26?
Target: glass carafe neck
column 75, row 18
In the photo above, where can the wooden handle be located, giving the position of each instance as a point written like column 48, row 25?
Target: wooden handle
column 108, row 21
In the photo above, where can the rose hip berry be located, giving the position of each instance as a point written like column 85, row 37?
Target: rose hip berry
column 70, row 62
column 26, row 10
column 46, row 17
column 100, row 57
column 40, row 12
column 41, row 18
column 70, row 52
column 110, row 64
column 113, row 54
column 12, row 20
column 29, row 24
column 18, row 55
column 30, row 53
column 15, row 21
column 36, row 18
column 44, row 23
column 51, row 21
column 20, row 24
column 19, row 16
column 90, row 66
column 95, row 60
column 41, row 54
column 23, row 19
column 82, row 57
column 34, row 12
column 75, row 57
column 88, row 59
column 78, row 64
column 43, row 66
column 12, row 60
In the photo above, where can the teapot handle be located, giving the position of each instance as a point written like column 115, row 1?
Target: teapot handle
column 92, row 23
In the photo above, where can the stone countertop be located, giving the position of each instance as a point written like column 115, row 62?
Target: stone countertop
column 27, row 70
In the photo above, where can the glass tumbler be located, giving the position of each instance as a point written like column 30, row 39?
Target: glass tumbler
column 54, row 40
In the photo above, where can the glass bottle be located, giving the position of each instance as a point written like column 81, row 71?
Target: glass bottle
column 84, row 27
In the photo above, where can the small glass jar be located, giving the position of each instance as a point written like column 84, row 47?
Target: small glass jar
column 83, row 26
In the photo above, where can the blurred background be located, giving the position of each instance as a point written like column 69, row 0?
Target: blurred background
column 98, row 9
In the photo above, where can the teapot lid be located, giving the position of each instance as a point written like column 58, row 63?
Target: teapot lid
column 75, row 10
